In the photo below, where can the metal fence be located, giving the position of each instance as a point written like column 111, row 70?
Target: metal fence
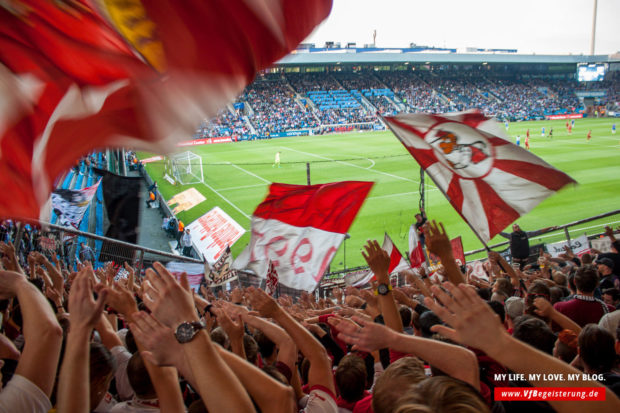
column 66, row 242
column 563, row 232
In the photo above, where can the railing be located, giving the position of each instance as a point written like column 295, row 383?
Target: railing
column 337, row 277
column 564, row 227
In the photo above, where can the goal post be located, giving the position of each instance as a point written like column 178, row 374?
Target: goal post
column 187, row 168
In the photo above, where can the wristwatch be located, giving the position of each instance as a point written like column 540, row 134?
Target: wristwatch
column 186, row 331
column 383, row 289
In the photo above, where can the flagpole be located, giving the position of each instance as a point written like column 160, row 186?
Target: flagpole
column 484, row 244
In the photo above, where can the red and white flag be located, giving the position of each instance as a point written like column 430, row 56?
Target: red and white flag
column 397, row 262
column 487, row 179
column 271, row 285
column 71, row 80
column 299, row 229
column 416, row 252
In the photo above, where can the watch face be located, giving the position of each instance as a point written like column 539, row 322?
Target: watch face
column 382, row 289
column 185, row 332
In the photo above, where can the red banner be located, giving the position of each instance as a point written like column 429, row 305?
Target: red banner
column 569, row 116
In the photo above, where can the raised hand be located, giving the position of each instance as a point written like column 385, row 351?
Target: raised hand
column 10, row 259
column 364, row 334
column 170, row 302
column 378, row 260
column 161, row 348
column 262, row 302
column 437, row 240
column 84, row 311
column 473, row 322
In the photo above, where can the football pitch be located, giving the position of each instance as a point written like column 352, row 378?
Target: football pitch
column 237, row 176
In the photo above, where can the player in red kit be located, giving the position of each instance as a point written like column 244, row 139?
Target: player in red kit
column 589, row 134
column 527, row 140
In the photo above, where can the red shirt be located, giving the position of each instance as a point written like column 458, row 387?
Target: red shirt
column 583, row 310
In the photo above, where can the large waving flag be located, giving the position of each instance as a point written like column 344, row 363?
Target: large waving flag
column 140, row 74
column 397, row 262
column 487, row 179
column 298, row 228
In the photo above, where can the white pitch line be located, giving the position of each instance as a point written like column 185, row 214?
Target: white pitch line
column 226, row 199
column 350, row 164
column 232, row 188
column 402, row 193
column 250, row 173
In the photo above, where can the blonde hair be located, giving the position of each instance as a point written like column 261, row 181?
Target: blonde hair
column 442, row 394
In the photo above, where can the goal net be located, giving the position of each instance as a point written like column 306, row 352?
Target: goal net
column 187, row 168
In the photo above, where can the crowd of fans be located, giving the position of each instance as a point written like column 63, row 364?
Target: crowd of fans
column 84, row 340
column 275, row 108
column 279, row 103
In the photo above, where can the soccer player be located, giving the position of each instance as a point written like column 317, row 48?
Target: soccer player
column 613, row 129
column 542, row 132
column 570, row 129
column 518, row 140
column 527, row 140
column 277, row 160
column 572, row 123
column 589, row 135
column 527, row 134
column 550, row 133
column 567, row 125
column 506, row 124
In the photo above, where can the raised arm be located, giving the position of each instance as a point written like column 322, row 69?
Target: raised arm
column 455, row 361
column 545, row 309
column 379, row 262
column 475, row 324
column 84, row 312
column 172, row 304
column 438, row 243
column 269, row 394
column 43, row 336
column 320, row 365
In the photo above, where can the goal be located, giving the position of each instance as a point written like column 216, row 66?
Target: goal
column 187, row 168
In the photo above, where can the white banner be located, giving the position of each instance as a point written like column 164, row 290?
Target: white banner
column 195, row 272
column 71, row 204
column 221, row 272
column 579, row 246
column 300, row 254
column 212, row 232
column 601, row 244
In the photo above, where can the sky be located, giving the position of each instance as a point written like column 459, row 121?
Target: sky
column 530, row 26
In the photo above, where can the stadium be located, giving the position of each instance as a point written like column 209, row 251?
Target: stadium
column 207, row 208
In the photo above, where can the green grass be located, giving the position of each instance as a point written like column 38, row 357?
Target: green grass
column 237, row 176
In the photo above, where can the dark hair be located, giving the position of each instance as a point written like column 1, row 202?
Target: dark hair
column 566, row 346
column 485, row 293
column 556, row 294
column 586, row 279
column 537, row 289
column 427, row 320
column 102, row 366
column 571, row 281
column 505, row 286
column 139, row 378
column 351, row 377
column 219, row 336
column 265, row 345
column 405, row 315
column 499, row 309
column 535, row 332
column 614, row 292
column 130, row 342
column 251, row 348
column 596, row 348
column 276, row 374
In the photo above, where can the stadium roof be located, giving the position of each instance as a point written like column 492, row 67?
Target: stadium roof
column 321, row 56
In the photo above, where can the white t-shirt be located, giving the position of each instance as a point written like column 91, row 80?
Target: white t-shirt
column 122, row 356
column 22, row 395
column 321, row 400
column 136, row 406
column 106, row 404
